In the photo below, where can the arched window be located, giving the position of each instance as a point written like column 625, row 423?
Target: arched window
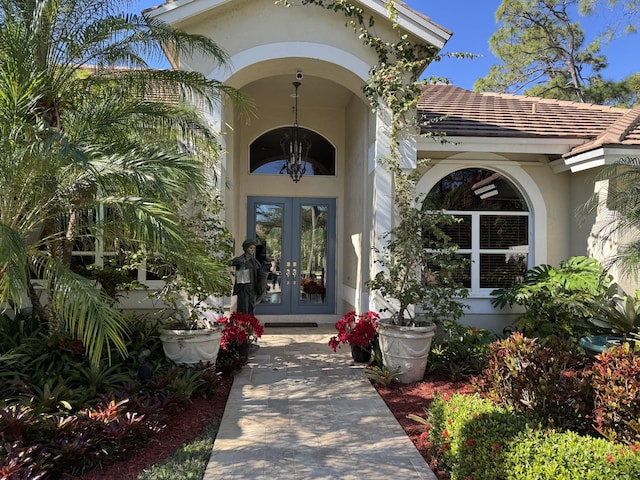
column 267, row 156
column 495, row 229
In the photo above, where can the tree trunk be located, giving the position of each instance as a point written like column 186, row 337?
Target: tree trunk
column 40, row 311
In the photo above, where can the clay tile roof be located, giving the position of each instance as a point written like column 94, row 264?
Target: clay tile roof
column 469, row 113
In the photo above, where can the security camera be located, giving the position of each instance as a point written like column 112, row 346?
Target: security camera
column 299, row 75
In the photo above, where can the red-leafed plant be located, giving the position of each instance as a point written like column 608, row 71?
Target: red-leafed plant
column 616, row 380
column 240, row 328
column 355, row 330
column 546, row 379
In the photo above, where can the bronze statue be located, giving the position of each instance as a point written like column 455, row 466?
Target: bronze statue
column 247, row 284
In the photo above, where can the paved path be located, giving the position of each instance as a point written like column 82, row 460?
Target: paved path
column 299, row 411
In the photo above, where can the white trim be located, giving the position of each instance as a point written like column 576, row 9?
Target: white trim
column 498, row 144
column 179, row 10
column 411, row 22
column 280, row 50
column 593, row 159
column 528, row 188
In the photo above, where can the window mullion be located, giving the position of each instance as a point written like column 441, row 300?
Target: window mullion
column 475, row 251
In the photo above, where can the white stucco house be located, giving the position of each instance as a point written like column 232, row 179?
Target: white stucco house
column 527, row 163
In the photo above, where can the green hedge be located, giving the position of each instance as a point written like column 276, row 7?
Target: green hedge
column 569, row 456
column 474, row 439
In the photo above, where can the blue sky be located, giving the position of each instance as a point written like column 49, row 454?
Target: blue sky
column 473, row 22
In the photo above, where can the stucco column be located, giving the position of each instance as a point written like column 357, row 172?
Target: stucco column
column 213, row 119
column 382, row 195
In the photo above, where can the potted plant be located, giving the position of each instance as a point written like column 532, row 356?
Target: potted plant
column 190, row 333
column 617, row 316
column 357, row 331
column 418, row 282
column 194, row 279
column 241, row 331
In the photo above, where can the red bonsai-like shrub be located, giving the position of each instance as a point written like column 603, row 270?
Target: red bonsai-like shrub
column 240, row 328
column 355, row 330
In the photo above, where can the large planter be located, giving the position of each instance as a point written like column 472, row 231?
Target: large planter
column 191, row 346
column 406, row 348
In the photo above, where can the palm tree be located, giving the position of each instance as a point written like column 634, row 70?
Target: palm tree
column 621, row 202
column 87, row 126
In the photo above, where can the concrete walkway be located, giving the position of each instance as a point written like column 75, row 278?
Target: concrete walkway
column 300, row 411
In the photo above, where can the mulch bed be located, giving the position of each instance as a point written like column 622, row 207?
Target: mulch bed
column 401, row 399
column 412, row 399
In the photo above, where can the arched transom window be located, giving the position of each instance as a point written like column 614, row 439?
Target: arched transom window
column 495, row 229
column 268, row 158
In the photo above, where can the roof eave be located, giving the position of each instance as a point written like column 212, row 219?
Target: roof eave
column 412, row 22
column 174, row 11
column 603, row 155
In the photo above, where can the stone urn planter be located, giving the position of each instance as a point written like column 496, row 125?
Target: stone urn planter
column 191, row 346
column 406, row 348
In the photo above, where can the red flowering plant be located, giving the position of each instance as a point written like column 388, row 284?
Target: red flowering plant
column 240, row 328
column 355, row 330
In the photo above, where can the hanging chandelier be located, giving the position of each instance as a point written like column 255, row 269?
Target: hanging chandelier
column 295, row 146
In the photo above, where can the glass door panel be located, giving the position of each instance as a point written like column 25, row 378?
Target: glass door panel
column 313, row 253
column 269, row 222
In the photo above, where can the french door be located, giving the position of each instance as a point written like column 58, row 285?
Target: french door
column 297, row 237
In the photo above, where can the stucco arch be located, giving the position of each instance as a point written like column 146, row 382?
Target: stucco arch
column 323, row 61
column 520, row 178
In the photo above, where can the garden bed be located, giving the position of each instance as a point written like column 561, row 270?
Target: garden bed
column 181, row 428
column 402, row 399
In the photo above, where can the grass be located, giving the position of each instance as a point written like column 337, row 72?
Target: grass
column 189, row 462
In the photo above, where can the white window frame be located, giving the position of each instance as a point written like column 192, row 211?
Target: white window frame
column 513, row 172
column 99, row 254
column 475, row 251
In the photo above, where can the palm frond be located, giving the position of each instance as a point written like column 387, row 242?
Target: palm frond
column 14, row 279
column 83, row 307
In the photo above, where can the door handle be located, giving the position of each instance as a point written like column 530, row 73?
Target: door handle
column 294, row 273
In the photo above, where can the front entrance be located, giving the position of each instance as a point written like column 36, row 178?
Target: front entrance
column 297, row 238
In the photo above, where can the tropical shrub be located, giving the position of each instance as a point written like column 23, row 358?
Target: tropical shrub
column 468, row 435
column 61, row 413
column 557, row 300
column 473, row 438
column 461, row 352
column 615, row 378
column 548, row 380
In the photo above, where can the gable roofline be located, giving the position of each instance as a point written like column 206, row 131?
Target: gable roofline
column 512, row 120
column 408, row 19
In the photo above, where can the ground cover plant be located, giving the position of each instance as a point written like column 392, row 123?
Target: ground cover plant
column 63, row 415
